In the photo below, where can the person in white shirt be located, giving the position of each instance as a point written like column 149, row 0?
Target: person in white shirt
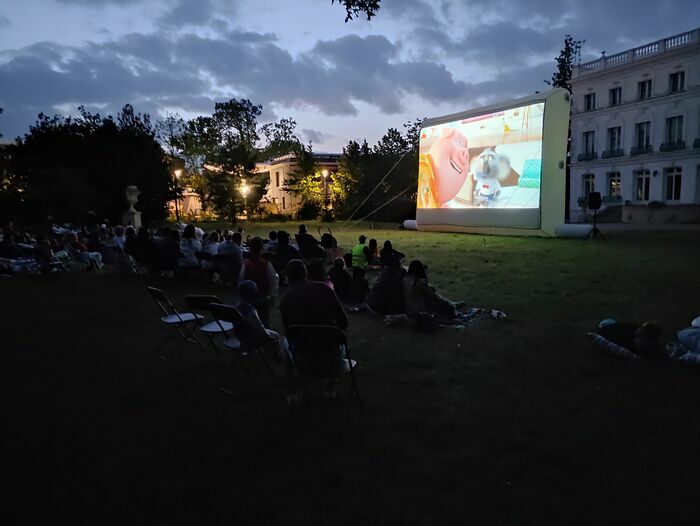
column 189, row 246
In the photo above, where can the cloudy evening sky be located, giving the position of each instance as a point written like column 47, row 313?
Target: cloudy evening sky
column 417, row 58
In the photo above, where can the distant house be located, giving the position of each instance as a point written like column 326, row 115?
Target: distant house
column 279, row 171
column 635, row 130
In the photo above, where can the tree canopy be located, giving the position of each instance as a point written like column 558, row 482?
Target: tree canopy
column 66, row 167
column 355, row 8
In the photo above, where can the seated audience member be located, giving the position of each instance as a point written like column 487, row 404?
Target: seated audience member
column 260, row 270
column 359, row 287
column 255, row 329
column 211, row 245
column 359, row 253
column 189, row 246
column 144, row 247
column 372, row 253
column 309, row 247
column 420, row 297
column 386, row 296
column 271, row 243
column 229, row 247
column 311, row 303
column 285, row 251
column 119, row 239
column 8, row 247
column 341, row 279
column 77, row 250
column 316, row 272
column 388, row 255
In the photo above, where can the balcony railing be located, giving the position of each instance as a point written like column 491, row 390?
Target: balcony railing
column 641, row 150
column 587, row 156
column 607, row 154
column 639, row 53
column 672, row 146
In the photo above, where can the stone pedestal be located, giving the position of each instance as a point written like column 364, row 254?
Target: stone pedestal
column 132, row 217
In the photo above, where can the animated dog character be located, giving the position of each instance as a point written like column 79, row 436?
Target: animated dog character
column 490, row 169
column 443, row 170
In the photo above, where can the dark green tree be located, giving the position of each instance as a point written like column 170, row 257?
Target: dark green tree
column 355, row 8
column 569, row 56
column 66, row 167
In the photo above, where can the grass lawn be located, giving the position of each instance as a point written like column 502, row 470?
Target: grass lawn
column 509, row 422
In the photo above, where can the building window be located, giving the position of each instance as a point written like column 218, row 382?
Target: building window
column 284, row 203
column 676, row 81
column 642, row 181
column 614, row 186
column 589, row 102
column 642, row 138
column 616, row 96
column 277, row 179
column 673, row 183
column 589, row 143
column 588, row 184
column 674, row 130
column 614, row 138
column 644, row 89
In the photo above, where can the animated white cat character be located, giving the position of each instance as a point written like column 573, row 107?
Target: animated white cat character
column 490, row 169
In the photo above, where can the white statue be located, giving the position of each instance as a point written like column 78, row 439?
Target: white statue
column 132, row 196
column 131, row 216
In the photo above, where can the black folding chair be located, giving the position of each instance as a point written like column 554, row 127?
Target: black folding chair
column 322, row 352
column 201, row 304
column 240, row 344
column 182, row 322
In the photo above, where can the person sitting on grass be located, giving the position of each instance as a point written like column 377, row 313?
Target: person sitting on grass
column 372, row 254
column 310, row 303
column 317, row 272
column 420, row 297
column 388, row 255
column 119, row 239
column 189, row 246
column 341, row 279
column 359, row 253
column 359, row 288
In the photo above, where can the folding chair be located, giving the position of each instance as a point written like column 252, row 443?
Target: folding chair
column 182, row 322
column 240, row 344
column 200, row 304
column 321, row 352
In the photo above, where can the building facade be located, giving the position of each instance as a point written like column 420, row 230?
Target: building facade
column 635, row 136
column 280, row 169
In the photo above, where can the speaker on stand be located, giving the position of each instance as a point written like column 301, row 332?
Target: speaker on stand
column 594, row 203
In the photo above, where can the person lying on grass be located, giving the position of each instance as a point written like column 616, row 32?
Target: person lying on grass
column 644, row 341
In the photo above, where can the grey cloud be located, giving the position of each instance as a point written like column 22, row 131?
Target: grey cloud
column 4, row 21
column 315, row 136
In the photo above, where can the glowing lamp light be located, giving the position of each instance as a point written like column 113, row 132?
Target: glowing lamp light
column 178, row 173
column 245, row 189
column 324, row 173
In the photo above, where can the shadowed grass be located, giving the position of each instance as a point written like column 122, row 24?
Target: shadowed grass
column 515, row 421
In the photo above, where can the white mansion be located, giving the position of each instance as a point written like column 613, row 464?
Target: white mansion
column 635, row 133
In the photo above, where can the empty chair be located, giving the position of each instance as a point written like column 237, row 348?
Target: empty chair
column 321, row 351
column 241, row 343
column 201, row 304
column 182, row 322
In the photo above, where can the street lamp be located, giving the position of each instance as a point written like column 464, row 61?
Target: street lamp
column 325, row 174
column 245, row 189
column 177, row 173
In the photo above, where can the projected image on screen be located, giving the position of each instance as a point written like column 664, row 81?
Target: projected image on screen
column 487, row 161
